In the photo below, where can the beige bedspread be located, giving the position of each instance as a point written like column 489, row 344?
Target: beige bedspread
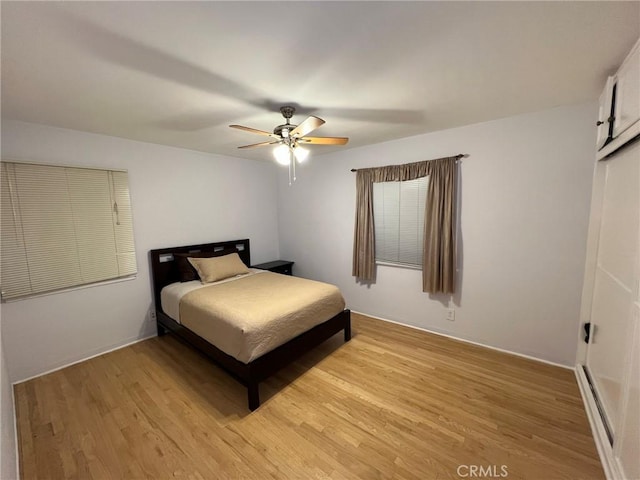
column 251, row 316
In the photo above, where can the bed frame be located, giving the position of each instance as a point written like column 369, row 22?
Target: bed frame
column 249, row 374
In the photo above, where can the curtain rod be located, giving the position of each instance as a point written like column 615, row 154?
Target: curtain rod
column 459, row 156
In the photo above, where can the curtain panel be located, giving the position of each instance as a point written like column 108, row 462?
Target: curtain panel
column 439, row 256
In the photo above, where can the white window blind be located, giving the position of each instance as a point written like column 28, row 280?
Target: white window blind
column 398, row 216
column 63, row 227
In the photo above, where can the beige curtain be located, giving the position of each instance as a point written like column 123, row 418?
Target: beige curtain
column 439, row 256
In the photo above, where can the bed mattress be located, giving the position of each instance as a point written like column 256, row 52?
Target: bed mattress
column 252, row 314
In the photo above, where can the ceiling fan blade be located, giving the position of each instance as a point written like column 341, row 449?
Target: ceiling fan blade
column 261, row 144
column 309, row 125
column 324, row 140
column 254, row 130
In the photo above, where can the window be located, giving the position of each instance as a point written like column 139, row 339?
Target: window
column 398, row 212
column 63, row 227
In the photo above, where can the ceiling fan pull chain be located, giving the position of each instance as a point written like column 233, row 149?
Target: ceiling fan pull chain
column 290, row 181
column 293, row 163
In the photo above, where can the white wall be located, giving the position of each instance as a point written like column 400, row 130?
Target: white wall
column 524, row 211
column 179, row 197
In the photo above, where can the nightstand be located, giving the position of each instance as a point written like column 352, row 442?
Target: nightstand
column 278, row 266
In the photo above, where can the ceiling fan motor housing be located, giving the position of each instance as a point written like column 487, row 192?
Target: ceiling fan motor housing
column 287, row 113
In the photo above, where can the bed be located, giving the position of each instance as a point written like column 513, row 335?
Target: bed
column 233, row 334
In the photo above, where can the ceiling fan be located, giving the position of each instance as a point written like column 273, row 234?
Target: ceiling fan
column 290, row 138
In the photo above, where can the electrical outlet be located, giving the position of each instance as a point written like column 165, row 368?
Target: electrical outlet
column 152, row 315
column 451, row 315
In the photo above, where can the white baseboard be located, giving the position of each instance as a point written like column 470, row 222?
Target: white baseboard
column 83, row 359
column 607, row 458
column 510, row 352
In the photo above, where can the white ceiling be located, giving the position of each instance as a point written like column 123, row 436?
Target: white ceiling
column 178, row 73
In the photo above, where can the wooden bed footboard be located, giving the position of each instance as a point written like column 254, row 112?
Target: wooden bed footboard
column 252, row 373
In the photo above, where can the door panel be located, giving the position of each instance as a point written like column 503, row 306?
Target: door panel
column 619, row 227
column 606, row 357
column 627, row 109
column 615, row 283
column 629, row 434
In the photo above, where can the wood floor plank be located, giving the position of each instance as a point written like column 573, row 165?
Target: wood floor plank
column 394, row 402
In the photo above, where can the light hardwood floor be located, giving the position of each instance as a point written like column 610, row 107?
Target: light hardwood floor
column 392, row 403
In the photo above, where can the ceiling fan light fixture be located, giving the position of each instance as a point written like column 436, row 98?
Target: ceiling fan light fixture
column 301, row 153
column 282, row 154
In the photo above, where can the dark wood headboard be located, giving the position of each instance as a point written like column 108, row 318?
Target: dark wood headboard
column 163, row 271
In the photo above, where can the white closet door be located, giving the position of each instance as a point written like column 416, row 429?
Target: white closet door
column 615, row 283
column 628, row 439
column 627, row 94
